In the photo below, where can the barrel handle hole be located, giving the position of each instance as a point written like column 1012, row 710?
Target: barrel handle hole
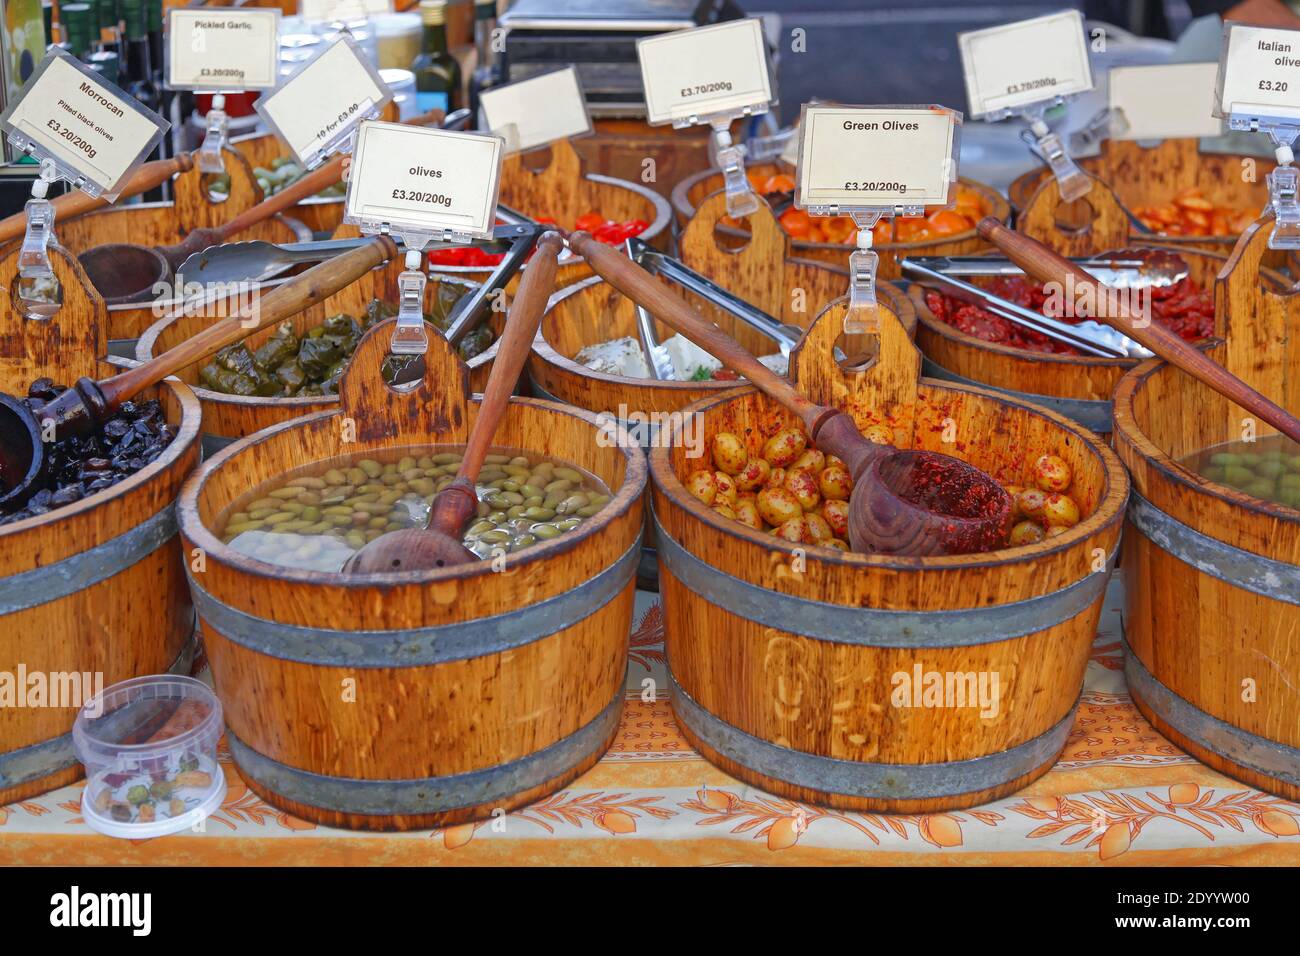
column 1076, row 217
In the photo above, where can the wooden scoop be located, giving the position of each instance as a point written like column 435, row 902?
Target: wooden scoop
column 76, row 203
column 904, row 502
column 87, row 404
column 1046, row 266
column 439, row 545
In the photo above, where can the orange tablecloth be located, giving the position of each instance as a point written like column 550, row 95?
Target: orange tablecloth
column 1121, row 794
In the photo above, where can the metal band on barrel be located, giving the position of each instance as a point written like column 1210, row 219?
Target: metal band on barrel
column 853, row 778
column 51, row 756
column 420, row 646
column 430, row 794
column 1090, row 413
column 1241, row 569
column 1264, row 756
column 86, row 568
column 876, row 627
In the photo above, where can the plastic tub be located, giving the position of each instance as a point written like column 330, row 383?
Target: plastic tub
column 149, row 746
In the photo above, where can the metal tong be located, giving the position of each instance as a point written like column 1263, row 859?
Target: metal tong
column 652, row 260
column 1124, row 269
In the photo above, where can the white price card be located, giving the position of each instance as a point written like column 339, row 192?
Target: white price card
column 1029, row 61
column 717, row 70
column 1259, row 74
column 876, row 157
column 414, row 181
column 541, row 108
column 343, row 11
column 223, row 48
column 316, row 109
column 1173, row 100
column 86, row 126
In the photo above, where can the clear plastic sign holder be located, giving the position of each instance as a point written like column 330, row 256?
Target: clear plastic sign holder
column 729, row 156
column 34, row 266
column 1284, row 180
column 1106, row 123
column 1072, row 181
column 344, row 138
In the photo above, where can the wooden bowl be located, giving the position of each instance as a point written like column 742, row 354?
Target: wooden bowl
column 228, row 417
column 1212, row 575
column 787, row 661
column 691, row 191
column 477, row 688
column 95, row 589
column 1078, row 386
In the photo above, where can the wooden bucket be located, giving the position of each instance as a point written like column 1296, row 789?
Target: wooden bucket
column 1152, row 175
column 317, row 213
column 691, row 191
column 1078, row 386
column 1212, row 575
column 167, row 223
column 475, row 688
column 784, row 660
column 228, row 417
column 563, row 191
column 94, row 588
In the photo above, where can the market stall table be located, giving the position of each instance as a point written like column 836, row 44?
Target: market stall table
column 1120, row 795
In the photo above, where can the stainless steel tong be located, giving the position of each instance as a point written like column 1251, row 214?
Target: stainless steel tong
column 1125, row 269
column 652, row 260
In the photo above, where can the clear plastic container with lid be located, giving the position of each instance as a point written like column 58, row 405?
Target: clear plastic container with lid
column 149, row 746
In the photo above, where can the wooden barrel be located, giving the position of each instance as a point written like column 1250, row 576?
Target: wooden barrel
column 167, row 223
column 1154, row 175
column 563, row 191
column 691, row 191
column 787, row 661
column 94, row 592
column 1212, row 575
column 1078, row 386
column 228, row 417
column 471, row 688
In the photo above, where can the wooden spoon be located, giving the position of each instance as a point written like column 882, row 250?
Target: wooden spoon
column 904, row 502
column 439, row 545
column 87, row 404
column 1046, row 266
column 76, row 203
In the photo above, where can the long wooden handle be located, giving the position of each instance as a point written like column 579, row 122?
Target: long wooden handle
column 642, row 288
column 1047, row 266
column 285, row 300
column 522, row 322
column 77, row 203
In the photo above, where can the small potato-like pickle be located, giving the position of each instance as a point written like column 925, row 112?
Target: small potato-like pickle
column 316, row 520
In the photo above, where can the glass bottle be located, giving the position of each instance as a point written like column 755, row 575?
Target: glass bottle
column 437, row 74
column 484, row 75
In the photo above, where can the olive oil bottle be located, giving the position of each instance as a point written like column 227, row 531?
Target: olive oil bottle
column 437, row 74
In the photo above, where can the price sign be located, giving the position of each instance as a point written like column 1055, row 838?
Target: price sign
column 876, row 157
column 223, row 48
column 542, row 108
column 343, row 11
column 415, row 181
column 709, row 71
column 89, row 129
column 317, row 109
column 1026, row 62
column 1163, row 102
column 1259, row 74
